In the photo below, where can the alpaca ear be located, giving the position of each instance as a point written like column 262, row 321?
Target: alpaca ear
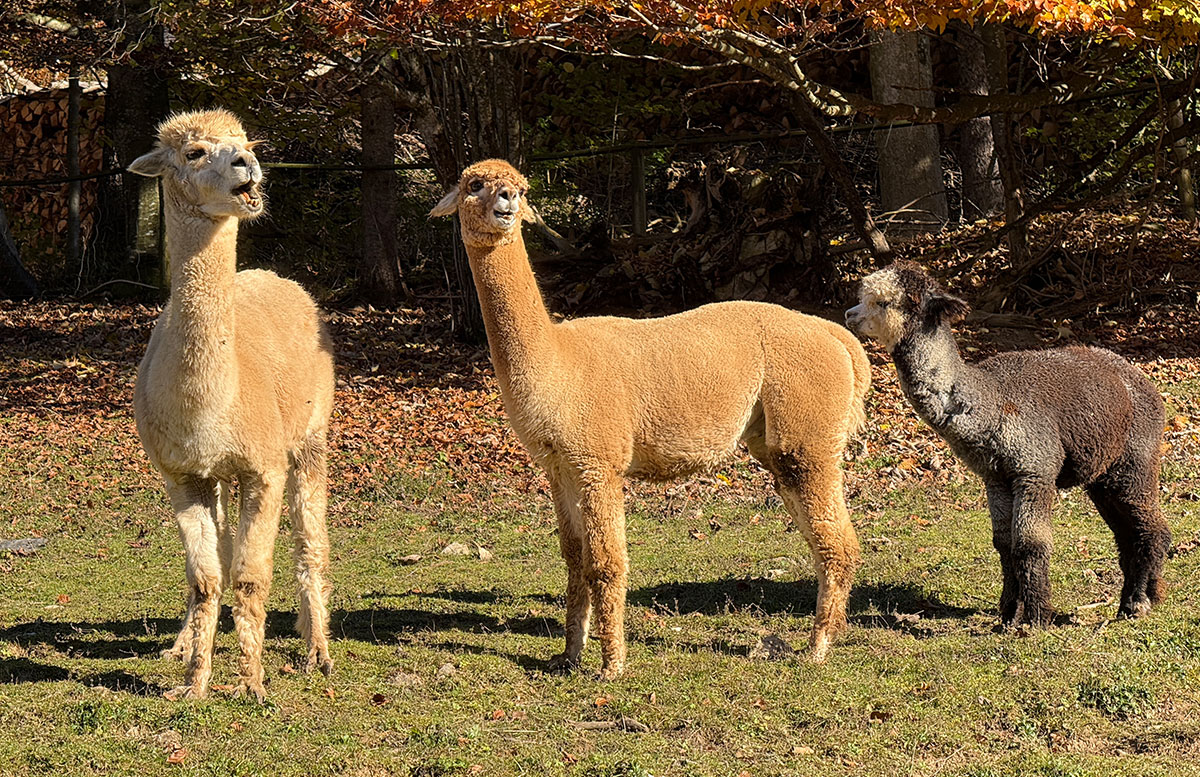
column 447, row 206
column 153, row 164
column 947, row 308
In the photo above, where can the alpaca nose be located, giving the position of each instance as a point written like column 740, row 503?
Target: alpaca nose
column 246, row 161
column 508, row 200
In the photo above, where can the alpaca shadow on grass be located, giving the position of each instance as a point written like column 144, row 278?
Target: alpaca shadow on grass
column 530, row 663
column 21, row 671
column 134, row 638
column 773, row 597
column 490, row 596
column 382, row 624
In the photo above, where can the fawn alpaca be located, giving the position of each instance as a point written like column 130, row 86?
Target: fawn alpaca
column 599, row 400
column 237, row 382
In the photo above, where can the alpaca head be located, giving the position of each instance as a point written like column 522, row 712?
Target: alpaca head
column 490, row 202
column 899, row 300
column 207, row 165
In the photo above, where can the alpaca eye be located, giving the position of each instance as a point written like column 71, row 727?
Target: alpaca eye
column 883, row 303
column 475, row 186
column 194, row 154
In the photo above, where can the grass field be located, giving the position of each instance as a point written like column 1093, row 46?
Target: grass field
column 441, row 663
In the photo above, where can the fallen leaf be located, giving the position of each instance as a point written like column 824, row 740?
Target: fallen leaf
column 177, row 755
column 62, row 599
column 330, row 692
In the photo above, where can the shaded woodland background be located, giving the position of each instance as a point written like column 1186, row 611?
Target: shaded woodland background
column 678, row 156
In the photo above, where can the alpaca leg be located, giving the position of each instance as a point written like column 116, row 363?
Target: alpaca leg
column 1000, row 504
column 224, row 532
column 579, row 605
column 1143, row 540
column 1032, row 505
column 814, row 499
column 194, row 503
column 181, row 650
column 307, row 494
column 262, row 498
column 606, row 566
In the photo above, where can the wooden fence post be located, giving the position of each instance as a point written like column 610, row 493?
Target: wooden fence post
column 637, row 168
column 75, row 187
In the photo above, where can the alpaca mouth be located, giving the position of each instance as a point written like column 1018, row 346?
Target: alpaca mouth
column 504, row 216
column 248, row 192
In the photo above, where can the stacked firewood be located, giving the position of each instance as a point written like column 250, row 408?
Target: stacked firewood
column 34, row 127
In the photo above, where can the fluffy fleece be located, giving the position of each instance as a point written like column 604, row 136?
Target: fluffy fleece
column 1029, row 423
column 599, row 400
column 237, row 383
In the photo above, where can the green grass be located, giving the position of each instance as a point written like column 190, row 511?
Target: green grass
column 921, row 684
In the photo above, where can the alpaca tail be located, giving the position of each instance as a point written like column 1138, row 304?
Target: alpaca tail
column 862, row 378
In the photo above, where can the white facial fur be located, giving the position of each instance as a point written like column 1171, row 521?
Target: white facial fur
column 878, row 314
column 219, row 177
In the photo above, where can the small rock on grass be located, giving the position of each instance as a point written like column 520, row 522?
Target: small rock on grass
column 447, row 670
column 169, row 740
column 456, row 549
column 408, row 561
column 772, row 648
column 483, row 553
column 22, row 547
column 402, row 679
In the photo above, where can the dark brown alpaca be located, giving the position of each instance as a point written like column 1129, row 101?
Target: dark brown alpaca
column 1029, row 423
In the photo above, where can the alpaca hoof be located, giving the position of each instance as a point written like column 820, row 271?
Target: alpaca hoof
column 317, row 660
column 610, row 672
column 173, row 654
column 185, row 692
column 250, row 689
column 1134, row 609
column 561, row 663
column 819, row 651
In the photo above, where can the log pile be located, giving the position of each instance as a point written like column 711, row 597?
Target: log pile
column 34, row 127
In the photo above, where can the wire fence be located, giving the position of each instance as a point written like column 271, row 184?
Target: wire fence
column 617, row 148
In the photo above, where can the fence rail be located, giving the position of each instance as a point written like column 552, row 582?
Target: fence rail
column 581, row 153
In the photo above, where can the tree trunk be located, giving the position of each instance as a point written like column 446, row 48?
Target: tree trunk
column 134, row 104
column 996, row 45
column 1179, row 156
column 15, row 281
column 982, row 191
column 380, row 279
column 463, row 118
column 806, row 114
column 910, row 164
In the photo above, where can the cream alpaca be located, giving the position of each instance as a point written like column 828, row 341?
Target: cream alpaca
column 237, row 382
column 598, row 400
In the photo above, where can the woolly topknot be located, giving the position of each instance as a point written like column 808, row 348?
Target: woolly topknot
column 495, row 169
column 181, row 128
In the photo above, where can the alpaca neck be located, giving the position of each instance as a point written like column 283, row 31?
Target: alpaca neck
column 203, row 254
column 944, row 390
column 519, row 330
